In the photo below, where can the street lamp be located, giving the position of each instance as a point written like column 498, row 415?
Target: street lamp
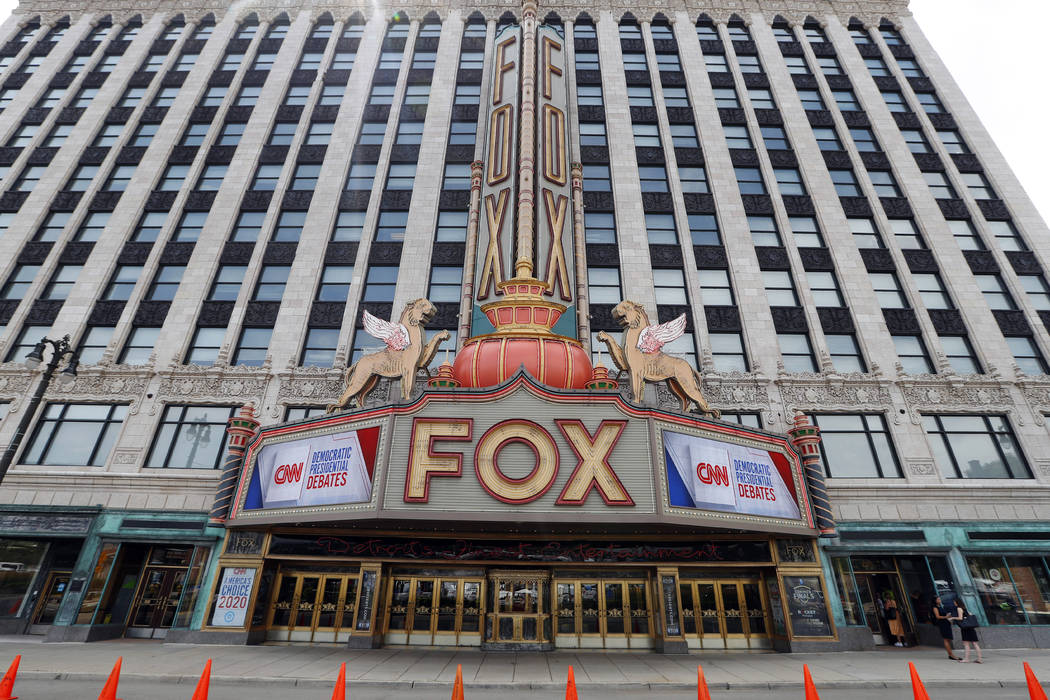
column 60, row 349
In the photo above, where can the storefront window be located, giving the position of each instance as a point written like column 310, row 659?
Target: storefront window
column 19, row 564
column 97, row 583
column 193, row 587
column 1032, row 584
column 992, row 579
column 847, row 591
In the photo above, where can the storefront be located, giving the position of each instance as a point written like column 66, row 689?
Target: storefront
column 1000, row 572
column 613, row 528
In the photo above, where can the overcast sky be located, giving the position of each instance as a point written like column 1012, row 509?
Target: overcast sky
column 997, row 53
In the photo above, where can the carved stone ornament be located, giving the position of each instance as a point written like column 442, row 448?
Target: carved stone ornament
column 119, row 383
column 811, row 392
column 922, row 468
column 870, row 12
column 215, row 384
column 955, row 393
column 642, row 358
column 1037, row 394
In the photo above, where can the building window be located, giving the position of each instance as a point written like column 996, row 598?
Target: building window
column 716, row 63
column 204, row 350
column 173, row 177
column 856, row 445
column 789, row 181
column 264, row 60
column 52, row 227
column 827, row 139
column 335, row 283
column 811, row 100
column 283, row 134
column 249, row 226
column 277, row 31
column 603, row 285
column 380, row 283
column 191, row 437
column 669, row 287
column 140, row 346
column 319, row 347
column 845, row 183
column 211, row 178
column 763, row 231
column 266, row 177
column 82, row 177
column 26, row 341
column 466, row 133
column 457, row 176
column 895, row 101
column 888, row 290
column 806, row 232
column 978, row 186
column 932, row 291
column 715, row 288
column 30, row 177
column 639, row 96
column 645, row 135
column 166, row 283
column 18, row 283
column 452, row 227
column 470, row 94
column 231, row 133
column 409, row 134
column 750, row 181
column 703, row 229
column 953, row 141
column 1014, row 590
column 59, row 134
column 906, row 235
column 660, row 229
column 965, row 235
column 166, row 97
column 960, row 354
column 653, row 178
column 289, row 226
column 93, row 344
column 995, row 292
column 361, row 176
column 91, row 228
column 749, row 64
column 1006, row 235
column 62, row 282
column 779, row 289
column 864, row 233
column 1037, row 290
column 251, row 348
column 402, row 176
column 846, row 100
column 308, row 61
column 227, row 284
column 845, row 353
column 305, row 177
column 975, row 447
column 123, row 282
column 912, row 354
column 446, row 283
column 248, row 96
column 917, row 143
column 737, row 136
column 676, row 97
column 332, row 94
column 194, row 134
column 272, row 280
column 391, row 226
column 596, row 178
column 343, row 60
column 884, row 183
column 349, row 226
column 372, row 133
column 796, row 65
column 929, row 102
column 825, row 288
column 75, row 434
column 796, row 352
column 726, row 98
column 364, row 344
column 727, row 350
column 143, row 135
column 106, row 137
column 1027, row 355
column 761, row 98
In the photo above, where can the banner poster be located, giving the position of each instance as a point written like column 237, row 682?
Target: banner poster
column 231, row 600
column 712, row 475
column 323, row 470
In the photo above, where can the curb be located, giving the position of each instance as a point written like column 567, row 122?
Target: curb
column 437, row 685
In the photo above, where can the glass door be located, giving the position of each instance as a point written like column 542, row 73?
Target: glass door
column 725, row 614
column 47, row 606
column 519, row 607
column 434, row 611
column 312, row 607
column 157, row 602
column 603, row 614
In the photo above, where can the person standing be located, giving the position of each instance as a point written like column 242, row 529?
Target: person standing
column 893, row 618
column 969, row 631
column 943, row 621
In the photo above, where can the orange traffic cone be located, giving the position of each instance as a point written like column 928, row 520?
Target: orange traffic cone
column 1035, row 691
column 109, row 690
column 916, row 684
column 339, row 693
column 570, row 687
column 811, row 690
column 201, row 693
column 457, row 688
column 8, row 683
column 702, row 693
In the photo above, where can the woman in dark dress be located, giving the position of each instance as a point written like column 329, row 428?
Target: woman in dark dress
column 969, row 634
column 942, row 619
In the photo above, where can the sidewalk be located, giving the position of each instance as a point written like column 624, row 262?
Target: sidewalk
column 430, row 668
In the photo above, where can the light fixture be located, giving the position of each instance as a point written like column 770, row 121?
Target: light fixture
column 67, row 375
column 35, row 356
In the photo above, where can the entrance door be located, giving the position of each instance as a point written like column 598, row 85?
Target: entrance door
column 872, row 588
column 434, row 611
column 312, row 607
column 50, row 599
column 725, row 614
column 603, row 614
column 157, row 602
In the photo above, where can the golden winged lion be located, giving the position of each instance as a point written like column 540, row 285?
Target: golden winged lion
column 642, row 357
column 403, row 355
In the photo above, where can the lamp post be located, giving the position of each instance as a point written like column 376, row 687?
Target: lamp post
column 60, row 349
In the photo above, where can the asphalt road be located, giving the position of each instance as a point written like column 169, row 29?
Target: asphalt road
column 30, row 689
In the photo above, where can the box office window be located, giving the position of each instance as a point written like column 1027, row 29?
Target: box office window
column 975, row 447
column 21, row 563
column 856, row 445
column 75, row 434
column 191, row 437
column 1014, row 590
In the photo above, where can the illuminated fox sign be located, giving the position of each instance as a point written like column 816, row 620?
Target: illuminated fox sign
column 592, row 471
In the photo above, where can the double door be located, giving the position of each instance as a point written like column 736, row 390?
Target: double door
column 312, row 607
column 603, row 614
column 725, row 614
column 49, row 601
column 157, row 601
column 434, row 610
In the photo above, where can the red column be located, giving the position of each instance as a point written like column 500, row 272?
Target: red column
column 806, row 438
column 241, row 428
